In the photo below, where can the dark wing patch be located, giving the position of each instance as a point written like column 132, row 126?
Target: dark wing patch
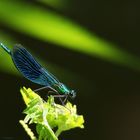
column 28, row 66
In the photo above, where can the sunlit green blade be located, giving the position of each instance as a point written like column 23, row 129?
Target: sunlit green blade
column 49, row 26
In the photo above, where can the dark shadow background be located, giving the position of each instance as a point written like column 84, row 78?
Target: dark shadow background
column 108, row 95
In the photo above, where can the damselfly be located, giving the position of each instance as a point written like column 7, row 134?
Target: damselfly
column 33, row 71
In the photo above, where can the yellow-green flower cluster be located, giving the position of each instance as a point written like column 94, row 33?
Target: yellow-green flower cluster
column 48, row 115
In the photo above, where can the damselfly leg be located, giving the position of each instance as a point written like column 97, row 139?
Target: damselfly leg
column 56, row 94
column 45, row 87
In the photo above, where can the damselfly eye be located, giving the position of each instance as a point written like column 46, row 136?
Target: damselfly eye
column 73, row 94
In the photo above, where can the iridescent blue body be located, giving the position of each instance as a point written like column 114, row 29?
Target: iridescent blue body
column 33, row 71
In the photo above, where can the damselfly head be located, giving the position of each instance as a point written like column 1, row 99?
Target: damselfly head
column 72, row 94
column 67, row 91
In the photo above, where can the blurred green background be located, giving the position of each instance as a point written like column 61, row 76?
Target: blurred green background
column 91, row 46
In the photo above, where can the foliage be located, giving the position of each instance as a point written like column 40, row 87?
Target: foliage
column 47, row 115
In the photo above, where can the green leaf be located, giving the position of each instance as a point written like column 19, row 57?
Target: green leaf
column 52, row 27
column 28, row 130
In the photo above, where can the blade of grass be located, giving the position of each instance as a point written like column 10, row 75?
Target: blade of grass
column 48, row 26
